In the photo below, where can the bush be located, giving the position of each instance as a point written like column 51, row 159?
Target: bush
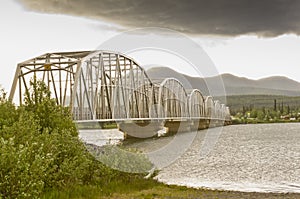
column 40, row 149
column 126, row 160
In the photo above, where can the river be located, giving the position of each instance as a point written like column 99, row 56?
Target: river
column 259, row 157
column 256, row 157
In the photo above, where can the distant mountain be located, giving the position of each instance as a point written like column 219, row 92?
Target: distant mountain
column 233, row 85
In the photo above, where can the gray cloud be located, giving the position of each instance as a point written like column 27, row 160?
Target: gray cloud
column 200, row 17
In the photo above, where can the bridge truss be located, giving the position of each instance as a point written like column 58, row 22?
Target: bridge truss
column 103, row 85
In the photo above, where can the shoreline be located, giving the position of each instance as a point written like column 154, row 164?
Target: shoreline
column 182, row 191
column 213, row 186
column 238, row 122
column 177, row 191
column 149, row 188
column 232, row 193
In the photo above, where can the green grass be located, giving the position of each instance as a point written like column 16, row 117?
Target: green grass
column 122, row 186
column 137, row 187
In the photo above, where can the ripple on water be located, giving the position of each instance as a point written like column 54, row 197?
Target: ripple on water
column 260, row 157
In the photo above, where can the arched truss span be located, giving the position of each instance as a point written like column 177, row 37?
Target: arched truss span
column 217, row 111
column 57, row 70
column 112, row 86
column 94, row 84
column 196, row 104
column 209, row 107
column 227, row 113
column 223, row 111
column 172, row 99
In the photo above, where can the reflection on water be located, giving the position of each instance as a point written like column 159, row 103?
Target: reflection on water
column 262, row 157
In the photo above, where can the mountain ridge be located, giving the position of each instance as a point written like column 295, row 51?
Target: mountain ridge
column 233, row 85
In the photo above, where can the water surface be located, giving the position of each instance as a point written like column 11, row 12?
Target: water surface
column 259, row 157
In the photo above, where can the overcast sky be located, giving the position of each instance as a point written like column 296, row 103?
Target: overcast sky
column 247, row 38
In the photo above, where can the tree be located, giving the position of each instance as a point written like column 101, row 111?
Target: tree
column 46, row 111
column 40, row 149
column 2, row 94
column 244, row 110
column 253, row 113
column 281, row 108
column 260, row 115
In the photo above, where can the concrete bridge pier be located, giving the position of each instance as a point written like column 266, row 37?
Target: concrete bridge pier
column 200, row 124
column 227, row 122
column 213, row 123
column 140, row 128
column 177, row 126
column 216, row 122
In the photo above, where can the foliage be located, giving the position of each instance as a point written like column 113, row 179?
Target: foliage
column 127, row 160
column 2, row 94
column 263, row 108
column 244, row 103
column 40, row 149
column 49, row 115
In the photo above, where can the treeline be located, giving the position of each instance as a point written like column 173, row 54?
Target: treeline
column 263, row 108
column 265, row 103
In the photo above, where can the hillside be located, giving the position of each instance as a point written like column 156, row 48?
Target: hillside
column 233, row 85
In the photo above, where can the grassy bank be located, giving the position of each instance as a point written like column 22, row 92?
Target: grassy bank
column 257, row 121
column 137, row 187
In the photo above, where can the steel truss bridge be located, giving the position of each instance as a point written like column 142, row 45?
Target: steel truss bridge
column 106, row 86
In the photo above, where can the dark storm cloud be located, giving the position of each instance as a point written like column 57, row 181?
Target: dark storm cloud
column 213, row 17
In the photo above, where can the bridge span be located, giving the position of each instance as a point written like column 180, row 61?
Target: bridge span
column 110, row 87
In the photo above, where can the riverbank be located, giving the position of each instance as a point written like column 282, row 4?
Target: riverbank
column 138, row 187
column 130, row 186
column 275, row 169
column 257, row 121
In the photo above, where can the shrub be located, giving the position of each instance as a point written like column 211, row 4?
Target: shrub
column 40, row 149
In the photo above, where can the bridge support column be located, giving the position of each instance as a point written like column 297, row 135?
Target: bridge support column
column 176, row 126
column 200, row 124
column 227, row 122
column 216, row 123
column 221, row 122
column 141, row 129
